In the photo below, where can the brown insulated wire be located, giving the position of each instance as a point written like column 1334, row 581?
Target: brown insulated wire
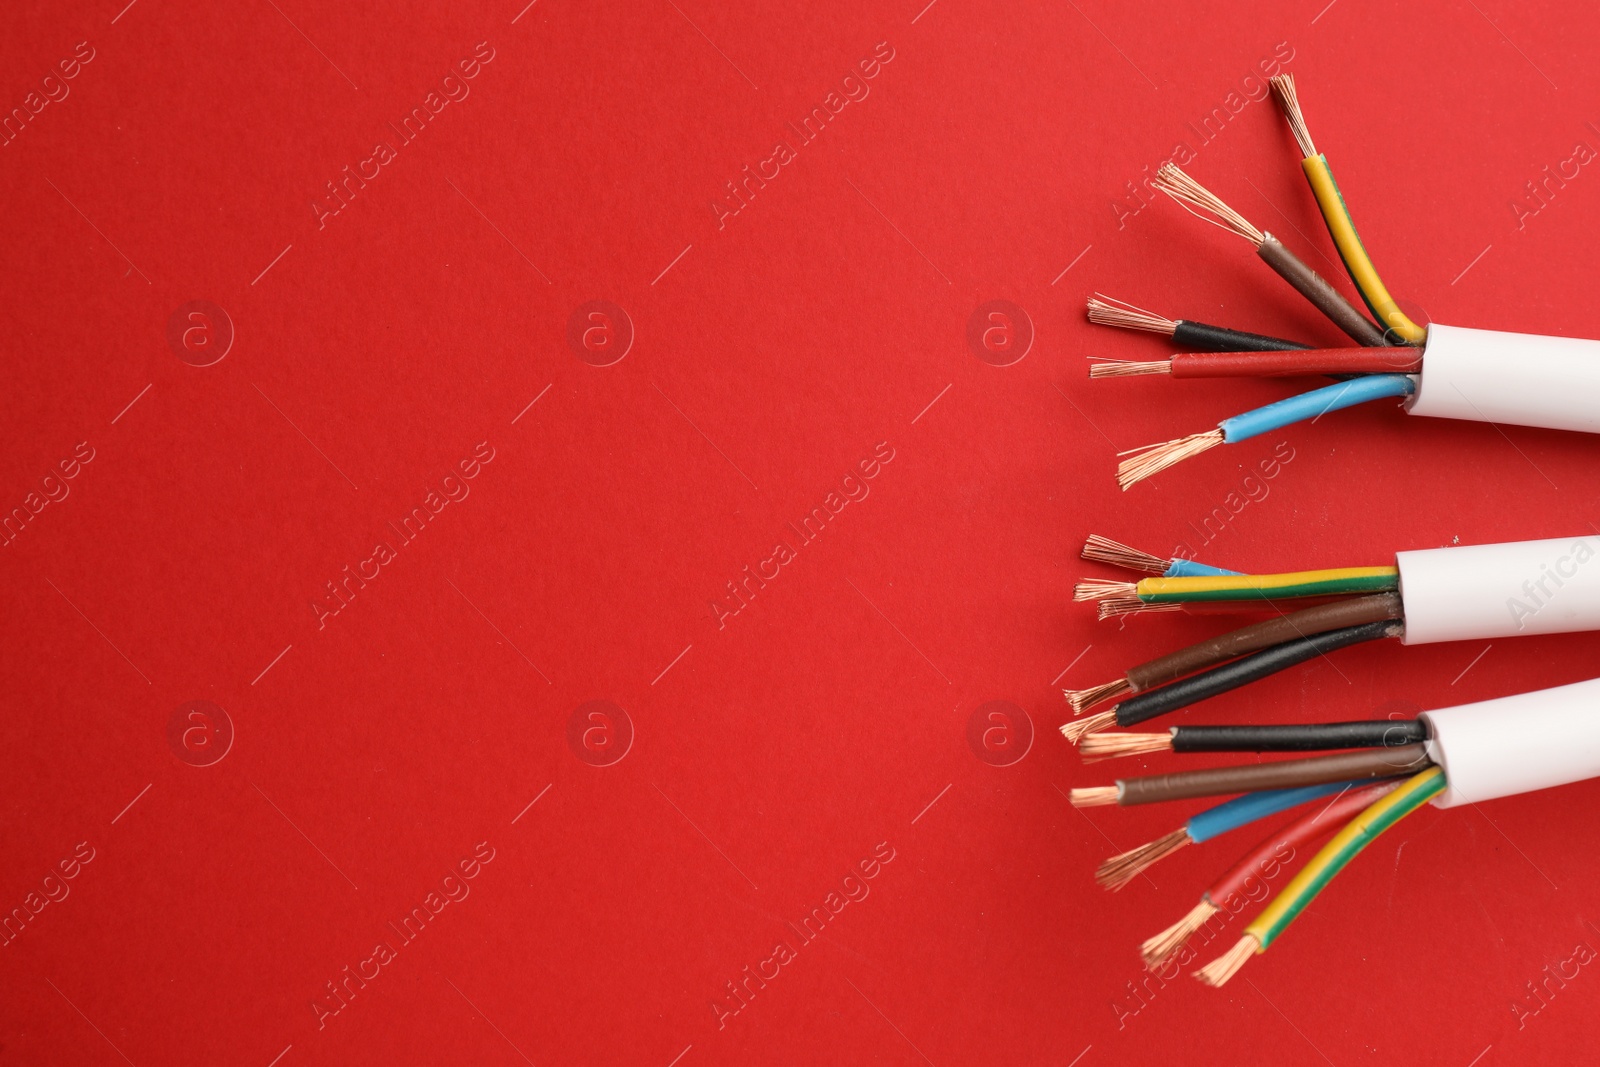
column 1335, row 615
column 1315, row 288
column 1283, row 774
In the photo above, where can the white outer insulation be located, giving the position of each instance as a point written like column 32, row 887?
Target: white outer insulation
column 1516, row 744
column 1481, row 592
column 1520, row 379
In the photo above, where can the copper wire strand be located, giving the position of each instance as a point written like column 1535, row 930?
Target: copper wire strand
column 1103, row 367
column 1081, row 700
column 1109, row 311
column 1075, row 730
column 1156, row 950
column 1203, row 204
column 1289, row 100
column 1118, row 606
column 1104, row 550
column 1218, row 971
column 1110, row 746
column 1094, row 797
column 1118, row 871
column 1153, row 459
column 1102, row 589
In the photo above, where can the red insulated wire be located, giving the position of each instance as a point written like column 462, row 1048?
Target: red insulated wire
column 1317, row 823
column 1313, row 361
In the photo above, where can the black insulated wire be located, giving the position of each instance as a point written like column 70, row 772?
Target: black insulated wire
column 1201, row 337
column 1299, row 737
column 1218, row 680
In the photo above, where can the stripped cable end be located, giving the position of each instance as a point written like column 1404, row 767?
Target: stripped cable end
column 1218, row 971
column 1158, row 949
column 1203, row 204
column 1153, row 459
column 1118, row 871
column 1104, row 550
column 1076, row 730
column 1108, row 311
column 1118, row 606
column 1101, row 589
column 1095, row 796
column 1110, row 746
column 1128, row 368
column 1083, row 699
column 1289, row 100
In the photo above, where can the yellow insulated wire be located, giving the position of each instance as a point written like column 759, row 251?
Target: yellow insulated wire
column 1337, row 215
column 1337, row 853
column 1330, row 582
column 1315, row 876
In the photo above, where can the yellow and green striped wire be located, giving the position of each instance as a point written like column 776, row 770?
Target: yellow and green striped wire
column 1361, row 832
column 1331, row 582
column 1343, row 231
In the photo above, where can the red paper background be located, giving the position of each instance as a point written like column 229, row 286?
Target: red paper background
column 830, row 717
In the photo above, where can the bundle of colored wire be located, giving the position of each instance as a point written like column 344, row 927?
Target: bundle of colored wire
column 1306, row 363
column 1206, row 206
column 1247, row 587
column 1250, row 778
column 1119, row 870
column 1186, row 333
column 1330, row 201
column 1336, row 615
column 1229, row 676
column 1104, row 550
column 1154, row 459
column 1286, row 737
column 1315, row 876
column 1229, row 592
column 1231, row 887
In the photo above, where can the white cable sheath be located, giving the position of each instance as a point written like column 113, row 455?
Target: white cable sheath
column 1520, row 379
column 1516, row 744
column 1481, row 592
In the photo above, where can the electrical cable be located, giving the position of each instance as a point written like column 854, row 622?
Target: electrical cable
column 1280, row 737
column 1152, row 459
column 1253, row 807
column 1299, row 737
column 1477, row 375
column 1294, row 409
column 1119, row 870
column 1516, row 744
column 1307, row 363
column 1334, row 615
column 1488, row 376
column 1484, row 592
column 1233, row 886
column 1248, row 778
column 1332, row 581
column 1521, row 379
column 1150, row 704
column 1195, row 688
column 1322, row 868
column 1320, row 292
column 1336, row 214
column 1196, row 198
